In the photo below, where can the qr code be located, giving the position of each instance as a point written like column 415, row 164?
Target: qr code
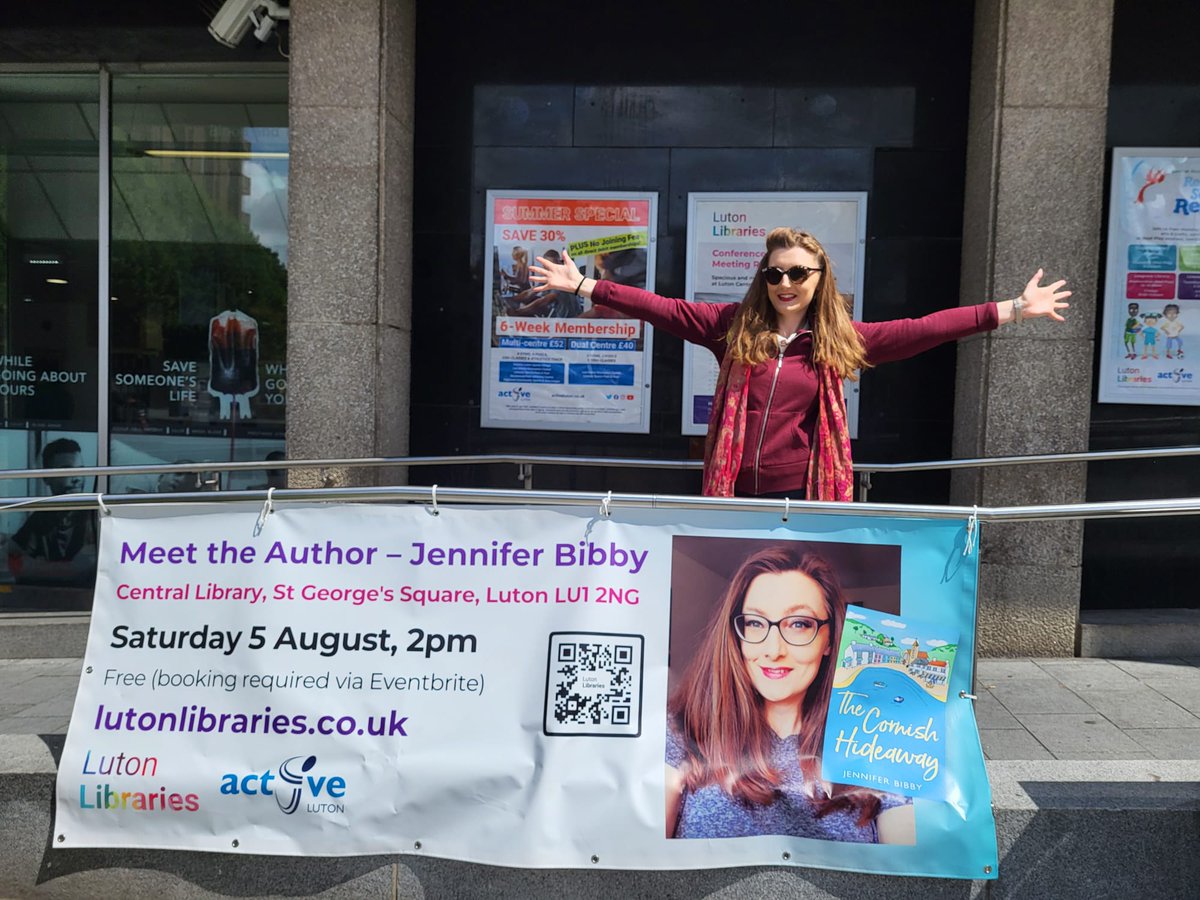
column 594, row 684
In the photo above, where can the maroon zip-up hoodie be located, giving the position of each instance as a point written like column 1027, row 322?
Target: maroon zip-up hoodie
column 781, row 409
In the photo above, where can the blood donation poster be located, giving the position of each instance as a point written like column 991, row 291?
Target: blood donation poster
column 534, row 687
column 553, row 360
column 725, row 246
column 1150, row 340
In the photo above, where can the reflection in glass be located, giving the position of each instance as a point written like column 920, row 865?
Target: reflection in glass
column 199, row 278
column 56, row 546
column 49, row 180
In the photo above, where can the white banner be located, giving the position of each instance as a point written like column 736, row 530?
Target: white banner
column 726, row 241
column 493, row 685
column 553, row 360
column 1149, row 348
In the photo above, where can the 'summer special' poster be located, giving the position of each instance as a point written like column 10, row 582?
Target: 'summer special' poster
column 553, row 360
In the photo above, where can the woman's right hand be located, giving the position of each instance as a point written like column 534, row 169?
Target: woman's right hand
column 551, row 276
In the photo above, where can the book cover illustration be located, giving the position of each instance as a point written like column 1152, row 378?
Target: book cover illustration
column 886, row 727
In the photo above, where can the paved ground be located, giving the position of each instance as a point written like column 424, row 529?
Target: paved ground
column 37, row 695
column 1085, row 709
column 1076, row 709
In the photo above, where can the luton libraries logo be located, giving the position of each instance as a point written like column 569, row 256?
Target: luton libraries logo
column 296, row 781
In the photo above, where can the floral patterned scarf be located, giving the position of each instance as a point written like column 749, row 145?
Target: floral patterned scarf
column 726, row 439
column 830, row 468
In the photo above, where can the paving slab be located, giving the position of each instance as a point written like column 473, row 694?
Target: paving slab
column 1073, row 736
column 990, row 712
column 1169, row 668
column 1185, row 694
column 12, row 674
column 1140, row 708
column 68, row 667
column 44, row 687
column 1089, row 674
column 1168, row 743
column 62, row 706
column 1007, row 743
column 1038, row 697
column 995, row 670
column 1091, row 754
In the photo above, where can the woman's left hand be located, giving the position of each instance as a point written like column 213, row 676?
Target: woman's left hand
column 551, row 276
column 1039, row 301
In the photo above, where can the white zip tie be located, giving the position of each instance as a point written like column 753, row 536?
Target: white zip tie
column 606, row 506
column 787, row 508
column 435, row 511
column 100, row 503
column 268, row 507
column 34, row 501
column 972, row 532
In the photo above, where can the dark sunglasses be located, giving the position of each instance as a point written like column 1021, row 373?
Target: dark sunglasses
column 796, row 274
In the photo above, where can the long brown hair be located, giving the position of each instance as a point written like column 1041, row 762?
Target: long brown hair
column 720, row 716
column 835, row 342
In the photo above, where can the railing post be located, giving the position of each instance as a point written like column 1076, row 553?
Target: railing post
column 864, row 486
column 525, row 474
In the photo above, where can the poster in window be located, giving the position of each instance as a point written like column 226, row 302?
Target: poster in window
column 725, row 245
column 553, row 360
column 1150, row 339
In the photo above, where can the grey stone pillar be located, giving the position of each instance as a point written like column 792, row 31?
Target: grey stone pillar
column 1035, row 172
column 351, row 89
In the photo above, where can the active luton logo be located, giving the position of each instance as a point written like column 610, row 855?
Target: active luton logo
column 295, row 779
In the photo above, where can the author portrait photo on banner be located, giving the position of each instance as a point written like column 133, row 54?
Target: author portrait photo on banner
column 755, row 630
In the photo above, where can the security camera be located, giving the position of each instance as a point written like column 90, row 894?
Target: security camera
column 236, row 17
column 232, row 21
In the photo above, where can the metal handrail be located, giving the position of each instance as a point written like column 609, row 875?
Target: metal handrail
column 990, row 461
column 864, row 471
column 527, row 459
column 357, row 463
column 412, row 494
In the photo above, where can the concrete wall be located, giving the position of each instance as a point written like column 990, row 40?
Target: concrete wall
column 350, row 233
column 1035, row 167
